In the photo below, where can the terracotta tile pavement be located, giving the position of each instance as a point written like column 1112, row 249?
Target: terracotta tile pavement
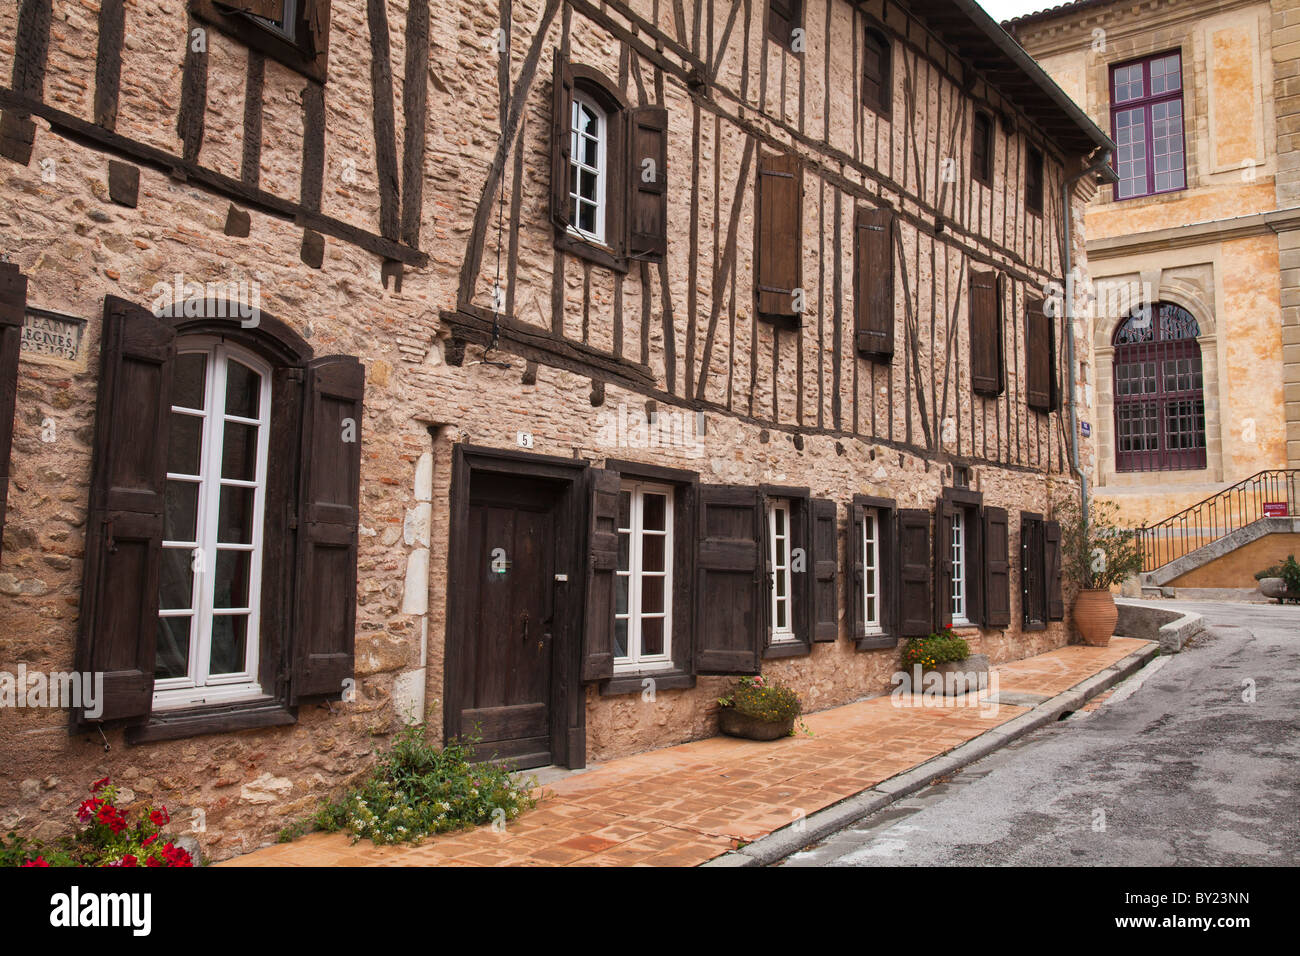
column 684, row 805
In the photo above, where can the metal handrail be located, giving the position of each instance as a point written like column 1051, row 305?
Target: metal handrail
column 1218, row 516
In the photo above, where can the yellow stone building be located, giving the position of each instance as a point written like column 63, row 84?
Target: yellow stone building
column 1198, row 396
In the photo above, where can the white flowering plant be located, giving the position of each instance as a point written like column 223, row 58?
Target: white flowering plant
column 417, row 788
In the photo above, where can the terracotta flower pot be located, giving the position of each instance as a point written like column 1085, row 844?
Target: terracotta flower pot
column 1095, row 616
column 735, row 724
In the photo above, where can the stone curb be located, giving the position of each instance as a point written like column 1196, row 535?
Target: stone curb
column 816, row 827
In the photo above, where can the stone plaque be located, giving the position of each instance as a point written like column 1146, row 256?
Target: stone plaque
column 53, row 336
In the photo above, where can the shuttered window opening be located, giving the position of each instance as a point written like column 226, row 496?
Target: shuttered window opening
column 1042, row 390
column 783, row 18
column 981, row 164
column 214, row 507
column 873, row 289
column 872, row 573
column 957, row 545
column 215, row 570
column 609, row 194
column 779, row 569
column 1034, row 180
column 644, row 584
column 987, row 294
column 779, row 237
column 1033, row 566
column 873, row 618
column 877, row 73
column 588, row 169
column 13, row 304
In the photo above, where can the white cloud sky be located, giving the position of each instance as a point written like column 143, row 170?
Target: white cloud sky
column 1005, row 9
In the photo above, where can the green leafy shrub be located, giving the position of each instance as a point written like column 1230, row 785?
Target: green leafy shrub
column 1096, row 552
column 763, row 700
column 942, row 647
column 1291, row 574
column 418, row 788
column 1272, row 571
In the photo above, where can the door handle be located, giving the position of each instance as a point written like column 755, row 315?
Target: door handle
column 525, row 627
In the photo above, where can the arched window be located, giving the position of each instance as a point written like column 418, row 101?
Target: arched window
column 588, row 168
column 219, row 433
column 1159, row 392
column 877, row 72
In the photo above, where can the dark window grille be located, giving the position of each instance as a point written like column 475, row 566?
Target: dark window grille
column 1159, row 391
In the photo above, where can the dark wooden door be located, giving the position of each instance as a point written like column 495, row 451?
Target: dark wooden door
column 507, row 664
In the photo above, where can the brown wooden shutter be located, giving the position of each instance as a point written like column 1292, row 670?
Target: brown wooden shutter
column 561, row 131
column 602, row 575
column 729, row 596
column 823, row 561
column 997, row 569
column 318, row 25
column 982, row 149
column 1038, row 356
column 782, row 18
column 943, row 518
column 985, row 332
column 330, row 482
column 1052, row 575
column 13, row 304
column 124, row 528
column 779, row 239
column 648, row 193
column 855, row 573
column 877, row 72
column 269, row 9
column 873, row 290
column 914, row 605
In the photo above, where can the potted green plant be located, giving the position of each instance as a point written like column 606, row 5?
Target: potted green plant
column 1281, row 581
column 1097, row 554
column 758, row 709
column 943, row 661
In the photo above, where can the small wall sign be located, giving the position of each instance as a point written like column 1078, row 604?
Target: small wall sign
column 524, row 439
column 1275, row 509
column 1085, row 429
column 52, row 335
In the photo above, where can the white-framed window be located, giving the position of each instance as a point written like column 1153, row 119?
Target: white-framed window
column 588, row 148
column 778, row 561
column 871, row 589
column 215, row 502
column 643, row 593
column 959, row 567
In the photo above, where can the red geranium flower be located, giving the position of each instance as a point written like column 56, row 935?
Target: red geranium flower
column 149, row 840
column 39, row 861
column 152, row 861
column 160, row 817
column 88, row 808
column 176, row 856
column 98, row 785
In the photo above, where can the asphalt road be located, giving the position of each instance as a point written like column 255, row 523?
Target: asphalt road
column 1184, row 771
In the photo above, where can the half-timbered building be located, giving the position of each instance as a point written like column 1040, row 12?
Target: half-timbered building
column 529, row 369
